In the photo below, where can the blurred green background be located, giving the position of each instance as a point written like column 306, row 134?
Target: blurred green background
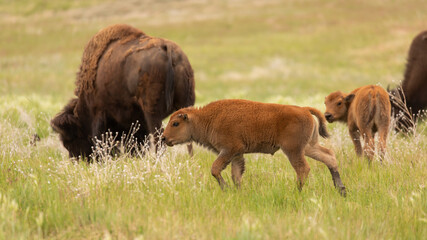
column 252, row 49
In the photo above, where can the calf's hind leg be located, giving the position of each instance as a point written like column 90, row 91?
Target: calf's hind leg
column 382, row 134
column 327, row 156
column 369, row 146
column 355, row 137
column 300, row 165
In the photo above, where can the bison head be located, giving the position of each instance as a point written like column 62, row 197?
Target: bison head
column 178, row 129
column 337, row 104
column 71, row 132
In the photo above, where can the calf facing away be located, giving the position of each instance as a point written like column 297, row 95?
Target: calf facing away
column 231, row 128
column 366, row 110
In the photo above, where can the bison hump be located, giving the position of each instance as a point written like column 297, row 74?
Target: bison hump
column 95, row 48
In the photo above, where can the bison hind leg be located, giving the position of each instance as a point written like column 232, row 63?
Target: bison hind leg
column 382, row 137
column 355, row 138
column 154, row 126
column 300, row 165
column 369, row 146
column 327, row 156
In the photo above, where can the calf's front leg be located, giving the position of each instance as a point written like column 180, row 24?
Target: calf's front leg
column 190, row 149
column 224, row 158
column 237, row 169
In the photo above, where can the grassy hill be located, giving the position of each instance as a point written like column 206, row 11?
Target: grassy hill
column 289, row 52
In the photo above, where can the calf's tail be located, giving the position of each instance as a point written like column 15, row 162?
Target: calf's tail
column 373, row 108
column 322, row 121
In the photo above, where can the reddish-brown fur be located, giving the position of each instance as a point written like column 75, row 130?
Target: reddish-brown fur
column 366, row 110
column 125, row 76
column 232, row 128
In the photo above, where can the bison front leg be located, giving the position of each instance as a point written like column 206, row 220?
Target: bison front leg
column 237, row 170
column 220, row 164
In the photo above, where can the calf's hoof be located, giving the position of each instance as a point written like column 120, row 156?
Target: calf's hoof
column 223, row 186
column 342, row 191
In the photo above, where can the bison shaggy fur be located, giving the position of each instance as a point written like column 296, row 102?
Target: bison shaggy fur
column 413, row 89
column 125, row 76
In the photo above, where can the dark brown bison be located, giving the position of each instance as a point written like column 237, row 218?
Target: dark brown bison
column 125, row 76
column 231, row 128
column 366, row 110
column 413, row 89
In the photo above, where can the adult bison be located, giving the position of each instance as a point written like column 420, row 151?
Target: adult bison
column 125, row 76
column 413, row 89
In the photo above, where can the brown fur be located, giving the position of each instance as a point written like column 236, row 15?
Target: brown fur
column 232, row 128
column 366, row 110
column 414, row 84
column 95, row 48
column 127, row 77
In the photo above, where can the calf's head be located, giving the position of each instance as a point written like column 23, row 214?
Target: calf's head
column 178, row 129
column 71, row 132
column 337, row 104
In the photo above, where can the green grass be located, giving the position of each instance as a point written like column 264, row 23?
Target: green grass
column 295, row 52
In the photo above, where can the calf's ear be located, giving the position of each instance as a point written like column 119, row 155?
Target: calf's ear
column 184, row 116
column 349, row 98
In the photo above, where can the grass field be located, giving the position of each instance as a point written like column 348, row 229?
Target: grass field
column 289, row 52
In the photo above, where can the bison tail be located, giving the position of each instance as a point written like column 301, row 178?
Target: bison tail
column 322, row 121
column 169, row 84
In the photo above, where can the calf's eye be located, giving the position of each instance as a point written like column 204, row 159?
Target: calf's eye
column 339, row 103
column 175, row 124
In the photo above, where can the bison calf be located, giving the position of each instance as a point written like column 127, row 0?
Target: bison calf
column 232, row 128
column 366, row 110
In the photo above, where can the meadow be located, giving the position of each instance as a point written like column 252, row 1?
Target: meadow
column 288, row 52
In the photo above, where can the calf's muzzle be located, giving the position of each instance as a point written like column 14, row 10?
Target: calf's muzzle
column 329, row 117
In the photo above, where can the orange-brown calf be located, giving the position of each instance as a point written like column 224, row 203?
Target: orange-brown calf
column 366, row 110
column 232, row 128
